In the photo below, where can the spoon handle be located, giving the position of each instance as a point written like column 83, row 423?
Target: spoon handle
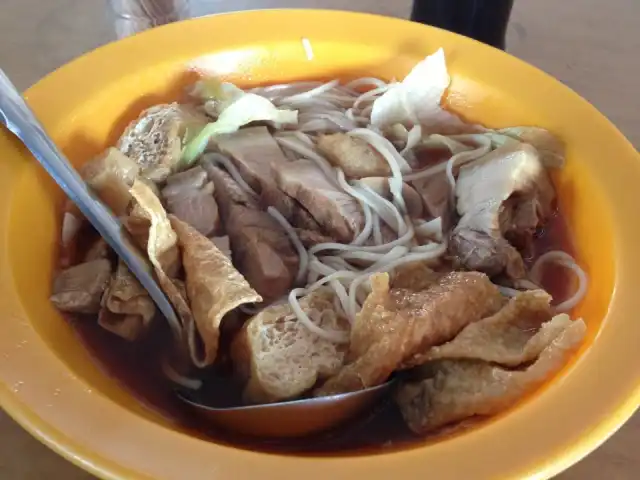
column 19, row 119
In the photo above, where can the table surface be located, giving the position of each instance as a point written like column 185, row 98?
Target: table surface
column 590, row 45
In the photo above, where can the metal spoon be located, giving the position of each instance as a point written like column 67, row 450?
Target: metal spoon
column 295, row 418
column 20, row 120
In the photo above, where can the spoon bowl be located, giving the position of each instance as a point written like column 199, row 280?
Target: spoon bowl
column 295, row 418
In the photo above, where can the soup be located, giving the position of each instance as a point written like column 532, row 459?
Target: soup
column 319, row 238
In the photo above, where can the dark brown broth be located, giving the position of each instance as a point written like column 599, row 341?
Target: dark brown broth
column 137, row 367
column 556, row 280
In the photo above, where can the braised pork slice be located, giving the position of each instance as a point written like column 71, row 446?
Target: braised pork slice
column 506, row 195
column 189, row 196
column 260, row 247
column 353, row 155
column 396, row 325
column 78, row 289
column 98, row 249
column 435, row 192
column 311, row 238
column 254, row 152
column 295, row 213
column 199, row 210
column 338, row 213
column 192, row 179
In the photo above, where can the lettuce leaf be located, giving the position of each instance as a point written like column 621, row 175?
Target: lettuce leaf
column 235, row 108
column 416, row 100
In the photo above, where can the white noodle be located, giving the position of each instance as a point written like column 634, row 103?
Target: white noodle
column 381, row 204
column 365, row 81
column 218, row 158
column 295, row 240
column 388, row 266
column 454, row 146
column 526, row 284
column 391, row 256
column 175, row 377
column 396, row 252
column 330, row 335
column 431, row 252
column 507, row 291
column 366, row 228
column 70, row 228
column 384, row 247
column 325, row 121
column 430, row 229
column 344, row 101
column 301, row 149
column 353, row 296
column 370, row 200
column 377, row 231
column 367, row 112
column 338, row 307
column 337, row 263
column 566, row 260
column 339, row 275
column 311, row 93
column 319, row 125
column 396, row 162
column 290, row 154
column 413, row 138
column 366, row 207
column 283, row 89
column 465, row 157
column 303, row 137
column 345, row 89
column 461, row 158
column 343, row 297
column 305, row 106
column 450, row 178
column 313, row 275
column 370, row 95
column 325, row 269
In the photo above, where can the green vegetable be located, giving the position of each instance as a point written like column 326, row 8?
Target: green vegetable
column 236, row 110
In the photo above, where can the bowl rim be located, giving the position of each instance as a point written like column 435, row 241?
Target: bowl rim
column 623, row 399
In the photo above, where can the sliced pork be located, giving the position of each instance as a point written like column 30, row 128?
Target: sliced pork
column 435, row 192
column 338, row 213
column 79, row 289
column 260, row 247
column 189, row 196
column 353, row 155
column 254, row 152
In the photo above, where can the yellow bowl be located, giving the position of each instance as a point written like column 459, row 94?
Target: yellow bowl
column 50, row 384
